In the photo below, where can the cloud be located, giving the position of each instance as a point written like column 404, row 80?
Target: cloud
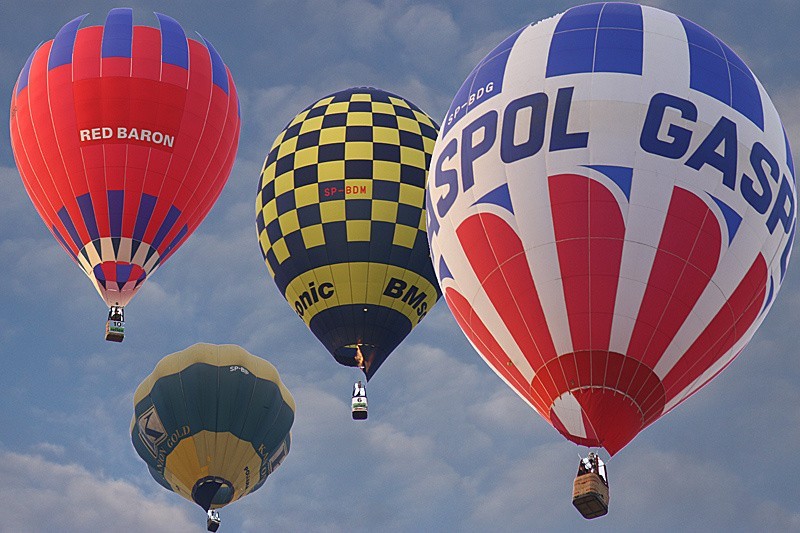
column 785, row 102
column 368, row 19
column 416, row 464
column 418, row 41
column 428, row 35
column 49, row 448
column 268, row 110
column 42, row 495
column 711, row 495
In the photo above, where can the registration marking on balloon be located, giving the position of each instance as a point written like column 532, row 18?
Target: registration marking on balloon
column 612, row 221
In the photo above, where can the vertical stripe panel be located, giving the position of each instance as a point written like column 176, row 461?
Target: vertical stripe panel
column 715, row 70
column 123, row 272
column 61, row 52
column 727, row 327
column 497, row 256
column 687, row 257
column 63, row 242
column 118, row 33
column 589, row 233
column 24, row 74
column 482, row 339
column 64, row 217
column 169, row 221
column 218, row 70
column 172, row 245
column 146, row 205
column 116, row 201
column 745, row 96
column 174, row 49
column 87, row 210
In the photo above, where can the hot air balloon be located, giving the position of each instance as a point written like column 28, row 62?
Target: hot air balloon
column 340, row 215
column 124, row 137
column 212, row 422
column 611, row 213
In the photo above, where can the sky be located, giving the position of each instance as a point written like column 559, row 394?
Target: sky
column 448, row 446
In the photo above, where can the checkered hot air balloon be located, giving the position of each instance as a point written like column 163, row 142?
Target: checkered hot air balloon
column 124, row 136
column 611, row 213
column 340, row 216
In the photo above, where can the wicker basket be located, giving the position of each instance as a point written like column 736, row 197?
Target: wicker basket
column 590, row 495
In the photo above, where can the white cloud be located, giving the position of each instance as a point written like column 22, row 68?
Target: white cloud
column 268, row 110
column 367, row 19
column 49, row 448
column 42, row 495
column 711, row 495
column 785, row 102
column 416, row 464
column 428, row 35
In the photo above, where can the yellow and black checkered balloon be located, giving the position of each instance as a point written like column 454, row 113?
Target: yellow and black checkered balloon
column 340, row 214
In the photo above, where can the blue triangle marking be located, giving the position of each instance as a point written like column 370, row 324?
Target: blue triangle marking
column 732, row 218
column 499, row 196
column 444, row 272
column 432, row 221
column 787, row 250
column 622, row 176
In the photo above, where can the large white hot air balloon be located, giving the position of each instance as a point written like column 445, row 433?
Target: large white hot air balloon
column 611, row 208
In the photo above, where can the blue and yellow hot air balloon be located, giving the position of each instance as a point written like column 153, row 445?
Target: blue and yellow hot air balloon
column 212, row 422
column 340, row 215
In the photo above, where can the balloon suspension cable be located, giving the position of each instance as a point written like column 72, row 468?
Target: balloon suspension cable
column 591, row 450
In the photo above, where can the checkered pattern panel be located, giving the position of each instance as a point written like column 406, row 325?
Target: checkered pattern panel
column 345, row 182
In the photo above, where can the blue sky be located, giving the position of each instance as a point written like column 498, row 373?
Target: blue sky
column 448, row 447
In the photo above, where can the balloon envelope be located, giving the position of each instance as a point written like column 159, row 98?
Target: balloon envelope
column 212, row 422
column 611, row 213
column 124, row 137
column 340, row 215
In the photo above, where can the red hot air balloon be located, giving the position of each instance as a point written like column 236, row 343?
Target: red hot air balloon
column 124, row 137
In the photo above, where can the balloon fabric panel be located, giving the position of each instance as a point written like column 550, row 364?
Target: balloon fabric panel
column 341, row 223
column 124, row 137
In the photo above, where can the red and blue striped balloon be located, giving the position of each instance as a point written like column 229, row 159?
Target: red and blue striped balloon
column 124, row 137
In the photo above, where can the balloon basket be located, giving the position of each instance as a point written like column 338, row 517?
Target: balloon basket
column 590, row 495
column 115, row 331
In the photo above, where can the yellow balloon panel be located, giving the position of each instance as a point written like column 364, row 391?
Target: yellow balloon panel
column 375, row 284
column 213, row 454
